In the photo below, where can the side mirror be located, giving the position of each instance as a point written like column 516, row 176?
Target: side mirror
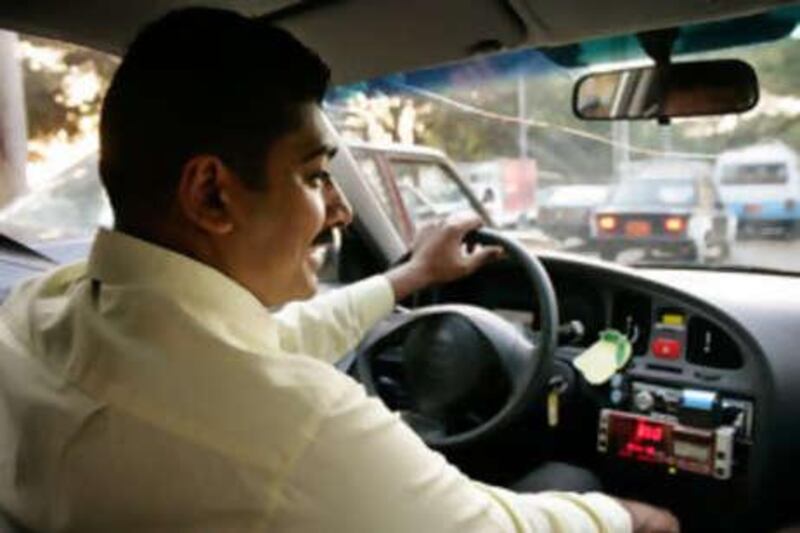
column 675, row 90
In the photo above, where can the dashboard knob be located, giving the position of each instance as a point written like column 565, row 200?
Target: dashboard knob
column 644, row 401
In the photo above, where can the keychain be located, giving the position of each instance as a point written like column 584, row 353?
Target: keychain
column 557, row 386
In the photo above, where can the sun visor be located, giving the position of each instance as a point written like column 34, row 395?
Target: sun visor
column 692, row 39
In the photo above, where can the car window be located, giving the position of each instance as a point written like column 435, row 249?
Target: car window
column 755, row 174
column 654, row 192
column 374, row 179
column 60, row 92
column 428, row 189
column 59, row 194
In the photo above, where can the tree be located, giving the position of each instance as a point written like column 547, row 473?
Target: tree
column 64, row 85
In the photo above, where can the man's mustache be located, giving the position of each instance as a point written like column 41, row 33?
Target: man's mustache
column 326, row 236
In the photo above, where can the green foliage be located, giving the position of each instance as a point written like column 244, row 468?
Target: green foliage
column 48, row 109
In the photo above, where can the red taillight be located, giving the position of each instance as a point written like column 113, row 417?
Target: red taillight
column 674, row 224
column 607, row 223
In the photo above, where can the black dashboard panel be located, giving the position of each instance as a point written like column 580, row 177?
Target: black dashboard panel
column 735, row 335
column 716, row 347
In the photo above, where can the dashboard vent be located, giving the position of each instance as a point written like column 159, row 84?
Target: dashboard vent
column 708, row 345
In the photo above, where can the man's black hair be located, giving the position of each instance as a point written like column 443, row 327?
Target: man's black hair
column 200, row 81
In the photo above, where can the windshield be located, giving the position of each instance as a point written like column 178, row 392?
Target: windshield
column 502, row 127
column 609, row 190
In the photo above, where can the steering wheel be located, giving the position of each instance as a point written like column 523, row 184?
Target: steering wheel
column 460, row 372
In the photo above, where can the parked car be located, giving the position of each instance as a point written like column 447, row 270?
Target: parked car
column 567, row 210
column 761, row 184
column 415, row 184
column 678, row 213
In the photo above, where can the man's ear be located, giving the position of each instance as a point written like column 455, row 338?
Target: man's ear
column 202, row 194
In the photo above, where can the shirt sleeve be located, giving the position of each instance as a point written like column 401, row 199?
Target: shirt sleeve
column 329, row 325
column 365, row 470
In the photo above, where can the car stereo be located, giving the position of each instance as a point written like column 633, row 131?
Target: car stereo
column 652, row 440
column 679, row 429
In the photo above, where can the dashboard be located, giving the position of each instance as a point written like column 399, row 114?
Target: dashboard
column 707, row 413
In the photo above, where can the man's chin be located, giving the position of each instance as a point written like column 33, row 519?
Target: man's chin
column 307, row 288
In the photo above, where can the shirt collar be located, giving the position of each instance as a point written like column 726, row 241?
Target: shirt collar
column 218, row 301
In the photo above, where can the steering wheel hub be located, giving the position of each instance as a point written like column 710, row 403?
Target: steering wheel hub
column 452, row 368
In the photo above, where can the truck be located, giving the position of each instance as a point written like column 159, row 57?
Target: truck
column 761, row 185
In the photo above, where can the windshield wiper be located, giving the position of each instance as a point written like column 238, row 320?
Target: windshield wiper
column 16, row 247
column 720, row 268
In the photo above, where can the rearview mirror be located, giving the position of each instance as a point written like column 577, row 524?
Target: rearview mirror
column 676, row 90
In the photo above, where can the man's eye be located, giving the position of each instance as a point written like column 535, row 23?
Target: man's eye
column 318, row 178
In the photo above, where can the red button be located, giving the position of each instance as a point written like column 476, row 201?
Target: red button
column 666, row 348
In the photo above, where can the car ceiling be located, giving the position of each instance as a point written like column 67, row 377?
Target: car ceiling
column 368, row 38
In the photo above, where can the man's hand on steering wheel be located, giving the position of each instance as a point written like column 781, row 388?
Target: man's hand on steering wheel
column 439, row 255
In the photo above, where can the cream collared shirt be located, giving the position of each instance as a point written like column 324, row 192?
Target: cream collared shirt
column 145, row 391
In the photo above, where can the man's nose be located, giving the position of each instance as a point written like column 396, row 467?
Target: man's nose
column 338, row 211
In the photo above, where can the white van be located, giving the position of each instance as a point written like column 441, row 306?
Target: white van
column 761, row 185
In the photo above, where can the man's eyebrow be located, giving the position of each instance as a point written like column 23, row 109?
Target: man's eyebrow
column 328, row 150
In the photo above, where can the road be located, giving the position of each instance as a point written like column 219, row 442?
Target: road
column 773, row 253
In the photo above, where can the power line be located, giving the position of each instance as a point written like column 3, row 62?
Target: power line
column 491, row 115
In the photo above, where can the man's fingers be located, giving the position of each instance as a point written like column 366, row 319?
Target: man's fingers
column 463, row 224
column 649, row 519
column 482, row 256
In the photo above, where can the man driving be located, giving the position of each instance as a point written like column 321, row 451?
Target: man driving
column 181, row 378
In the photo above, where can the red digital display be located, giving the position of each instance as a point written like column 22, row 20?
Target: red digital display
column 654, row 441
column 640, row 439
column 646, row 431
column 644, row 442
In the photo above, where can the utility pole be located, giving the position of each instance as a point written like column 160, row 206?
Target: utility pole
column 666, row 138
column 13, row 124
column 522, row 105
column 621, row 154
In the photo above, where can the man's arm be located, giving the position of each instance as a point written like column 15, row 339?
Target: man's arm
column 329, row 325
column 365, row 470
